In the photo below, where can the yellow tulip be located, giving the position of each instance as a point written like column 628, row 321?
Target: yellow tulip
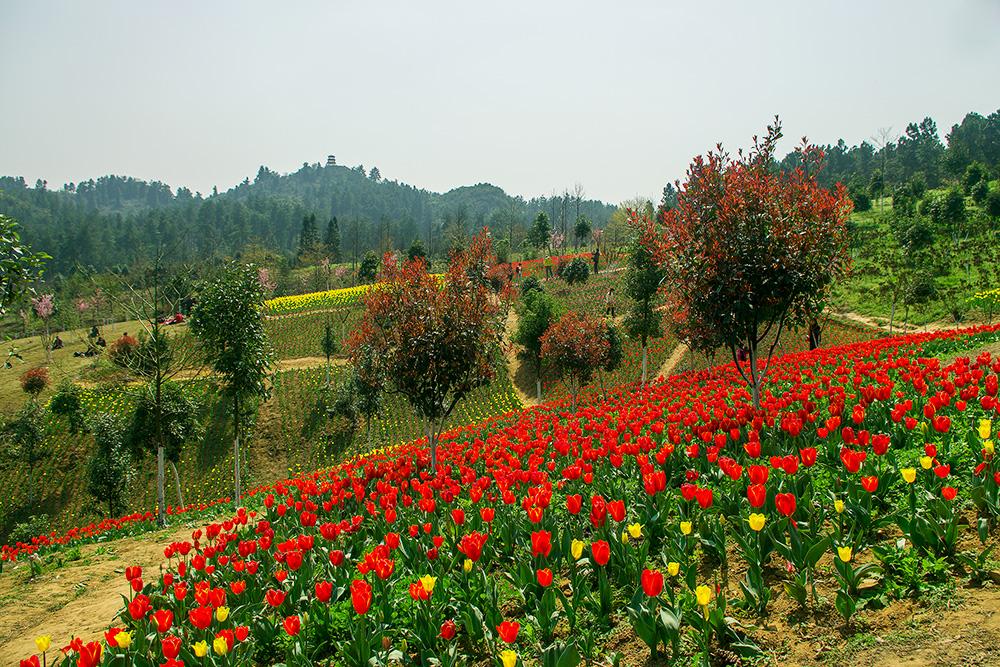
column 123, row 639
column 673, row 568
column 508, row 658
column 988, row 446
column 635, row 530
column 201, row 648
column 624, row 537
column 704, row 595
column 427, row 581
column 467, row 565
column 221, row 614
column 985, row 428
column 926, row 462
column 838, row 505
column 757, row 521
column 42, row 642
column 844, row 553
column 576, row 548
column 909, row 474
column 685, row 527
column 220, row 646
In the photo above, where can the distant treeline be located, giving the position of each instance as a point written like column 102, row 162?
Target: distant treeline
column 115, row 221
column 890, row 159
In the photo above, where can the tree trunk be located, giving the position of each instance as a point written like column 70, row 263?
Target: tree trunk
column 236, row 450
column 538, row 379
column 177, row 482
column 754, row 380
column 431, row 444
column 892, row 313
column 161, row 499
column 644, row 361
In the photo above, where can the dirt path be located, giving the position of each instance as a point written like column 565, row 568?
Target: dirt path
column 671, row 362
column 898, row 327
column 963, row 631
column 82, row 597
column 517, row 371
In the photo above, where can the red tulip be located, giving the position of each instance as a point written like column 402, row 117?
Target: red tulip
column 200, row 617
column 949, row 493
column 870, row 483
column 508, row 631
column 171, row 646
column 139, row 607
column 275, row 597
column 164, row 618
column 292, row 625
column 361, row 596
column 758, row 474
column 616, row 508
column 757, row 495
column 785, row 503
column 324, row 590
column 544, row 577
column 472, row 545
column 601, row 551
column 652, row 582
column 448, row 630
column 541, row 543
column 90, row 654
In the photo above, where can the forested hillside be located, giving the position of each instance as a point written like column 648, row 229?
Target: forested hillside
column 113, row 221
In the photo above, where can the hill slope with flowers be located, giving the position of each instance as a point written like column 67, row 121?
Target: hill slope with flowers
column 668, row 518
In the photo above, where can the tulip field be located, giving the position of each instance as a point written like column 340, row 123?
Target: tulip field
column 297, row 303
column 668, row 519
column 310, row 441
column 300, row 334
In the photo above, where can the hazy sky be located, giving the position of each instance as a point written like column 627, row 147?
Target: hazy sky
column 530, row 96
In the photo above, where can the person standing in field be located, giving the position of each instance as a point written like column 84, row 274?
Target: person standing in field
column 597, row 259
column 609, row 303
column 548, row 265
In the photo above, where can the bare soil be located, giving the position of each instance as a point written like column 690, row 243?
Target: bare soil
column 521, row 376
column 670, row 363
column 80, row 598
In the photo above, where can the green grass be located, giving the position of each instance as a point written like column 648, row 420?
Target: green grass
column 858, row 292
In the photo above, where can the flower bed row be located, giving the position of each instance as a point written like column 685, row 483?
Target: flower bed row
column 297, row 303
column 539, row 532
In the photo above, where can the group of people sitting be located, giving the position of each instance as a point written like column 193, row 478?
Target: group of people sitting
column 95, row 342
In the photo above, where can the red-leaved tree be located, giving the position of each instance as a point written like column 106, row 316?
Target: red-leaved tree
column 433, row 340
column 576, row 346
column 749, row 250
